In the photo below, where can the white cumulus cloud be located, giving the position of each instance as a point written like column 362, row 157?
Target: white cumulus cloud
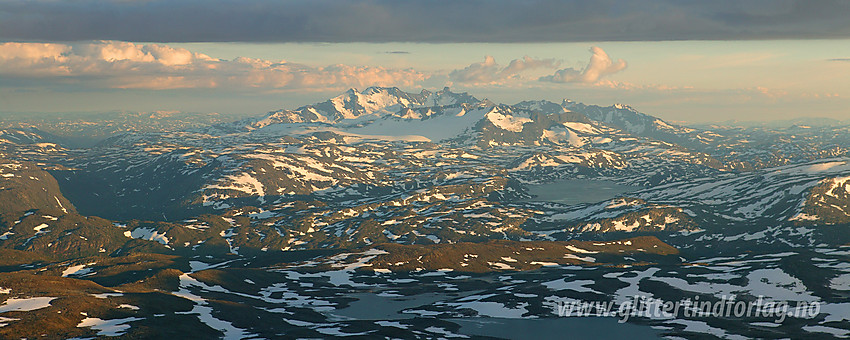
column 115, row 64
column 600, row 65
column 490, row 72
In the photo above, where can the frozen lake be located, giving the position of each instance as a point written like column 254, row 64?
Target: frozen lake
column 575, row 191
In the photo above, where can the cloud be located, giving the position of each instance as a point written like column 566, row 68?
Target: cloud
column 113, row 64
column 420, row 20
column 126, row 65
column 770, row 93
column 490, row 72
column 527, row 63
column 600, row 65
column 621, row 85
column 483, row 72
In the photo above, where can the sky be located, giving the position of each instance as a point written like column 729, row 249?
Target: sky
column 683, row 61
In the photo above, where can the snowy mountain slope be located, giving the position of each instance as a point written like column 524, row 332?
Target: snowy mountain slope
column 827, row 203
column 410, row 124
column 636, row 123
column 354, row 105
column 732, row 207
column 774, row 193
column 22, row 136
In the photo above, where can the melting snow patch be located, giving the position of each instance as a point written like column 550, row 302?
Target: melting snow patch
column 263, row 214
column 244, row 183
column 78, row 270
column 391, row 324
column 777, row 284
column 112, row 327
column 823, row 167
column 500, row 265
column 204, row 312
column 5, row 321
column 60, row 205
column 841, row 333
column 841, row 282
column 804, row 217
column 494, row 309
column 39, row 228
column 25, row 305
column 766, row 324
column 149, row 234
column 580, row 258
column 579, row 250
column 196, row 266
column 106, row 295
column 574, row 285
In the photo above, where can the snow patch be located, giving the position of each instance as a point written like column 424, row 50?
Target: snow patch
column 111, row 327
column 25, row 305
column 149, row 234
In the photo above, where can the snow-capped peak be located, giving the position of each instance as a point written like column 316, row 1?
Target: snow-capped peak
column 375, row 102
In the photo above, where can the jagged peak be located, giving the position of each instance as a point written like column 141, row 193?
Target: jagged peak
column 487, row 103
column 620, row 106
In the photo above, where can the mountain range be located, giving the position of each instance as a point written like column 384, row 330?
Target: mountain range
column 214, row 226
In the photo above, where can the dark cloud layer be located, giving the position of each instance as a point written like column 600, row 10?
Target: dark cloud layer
column 420, row 20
